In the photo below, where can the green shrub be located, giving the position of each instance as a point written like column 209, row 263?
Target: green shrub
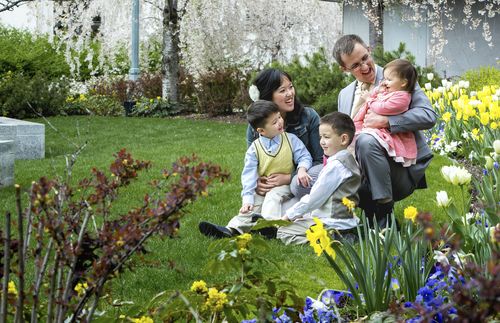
column 26, row 96
column 121, row 89
column 156, row 107
column 27, row 54
column 483, row 76
column 220, row 91
column 382, row 58
column 98, row 105
column 317, row 81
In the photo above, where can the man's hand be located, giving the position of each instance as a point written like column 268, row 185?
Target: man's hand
column 303, row 177
column 246, row 208
column 376, row 121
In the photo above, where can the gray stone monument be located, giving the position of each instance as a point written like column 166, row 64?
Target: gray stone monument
column 28, row 137
column 7, row 157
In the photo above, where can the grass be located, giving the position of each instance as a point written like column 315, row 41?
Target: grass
column 162, row 141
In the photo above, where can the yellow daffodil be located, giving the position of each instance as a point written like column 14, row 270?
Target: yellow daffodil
column 349, row 204
column 484, row 118
column 243, row 239
column 446, row 117
column 12, row 290
column 143, row 319
column 199, row 287
column 318, row 239
column 411, row 213
column 215, row 300
column 80, row 288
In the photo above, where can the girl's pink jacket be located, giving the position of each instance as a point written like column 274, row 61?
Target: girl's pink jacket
column 402, row 146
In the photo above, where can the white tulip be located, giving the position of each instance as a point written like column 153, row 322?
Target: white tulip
column 444, row 82
column 475, row 103
column 466, row 84
column 489, row 163
column 456, row 175
column 430, row 76
column 496, row 146
column 442, row 199
column 428, row 86
column 441, row 258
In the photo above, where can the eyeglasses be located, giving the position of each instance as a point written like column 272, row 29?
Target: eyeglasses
column 364, row 60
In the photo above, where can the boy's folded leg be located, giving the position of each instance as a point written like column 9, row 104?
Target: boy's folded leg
column 298, row 190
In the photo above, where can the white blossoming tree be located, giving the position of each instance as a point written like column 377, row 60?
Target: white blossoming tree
column 201, row 34
column 438, row 15
column 254, row 33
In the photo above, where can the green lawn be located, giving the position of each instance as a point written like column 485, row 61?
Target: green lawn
column 162, row 141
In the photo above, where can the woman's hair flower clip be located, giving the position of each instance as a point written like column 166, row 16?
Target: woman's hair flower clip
column 254, row 93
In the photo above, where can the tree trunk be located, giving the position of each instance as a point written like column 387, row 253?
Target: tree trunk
column 170, row 51
column 376, row 27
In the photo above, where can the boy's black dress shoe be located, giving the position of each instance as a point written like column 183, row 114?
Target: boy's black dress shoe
column 268, row 232
column 214, row 230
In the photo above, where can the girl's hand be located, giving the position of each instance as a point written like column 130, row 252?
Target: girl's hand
column 303, row 177
column 246, row 208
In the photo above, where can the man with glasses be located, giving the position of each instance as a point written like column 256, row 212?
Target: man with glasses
column 383, row 180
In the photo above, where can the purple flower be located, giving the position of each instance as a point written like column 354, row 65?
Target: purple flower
column 426, row 293
column 330, row 296
column 284, row 319
column 307, row 317
column 308, row 304
column 326, row 316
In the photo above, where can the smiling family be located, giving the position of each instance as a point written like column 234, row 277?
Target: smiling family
column 370, row 153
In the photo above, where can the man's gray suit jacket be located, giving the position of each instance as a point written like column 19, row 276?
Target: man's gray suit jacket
column 420, row 116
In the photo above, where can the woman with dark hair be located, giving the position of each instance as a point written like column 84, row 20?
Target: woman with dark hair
column 276, row 86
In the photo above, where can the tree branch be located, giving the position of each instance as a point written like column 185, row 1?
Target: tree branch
column 8, row 5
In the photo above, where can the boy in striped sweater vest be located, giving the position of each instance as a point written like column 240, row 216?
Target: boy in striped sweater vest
column 275, row 151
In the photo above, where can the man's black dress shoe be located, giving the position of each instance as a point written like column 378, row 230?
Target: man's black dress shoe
column 214, row 230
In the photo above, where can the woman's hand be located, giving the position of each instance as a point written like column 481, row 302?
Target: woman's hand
column 262, row 186
column 265, row 184
column 279, row 179
column 303, row 177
